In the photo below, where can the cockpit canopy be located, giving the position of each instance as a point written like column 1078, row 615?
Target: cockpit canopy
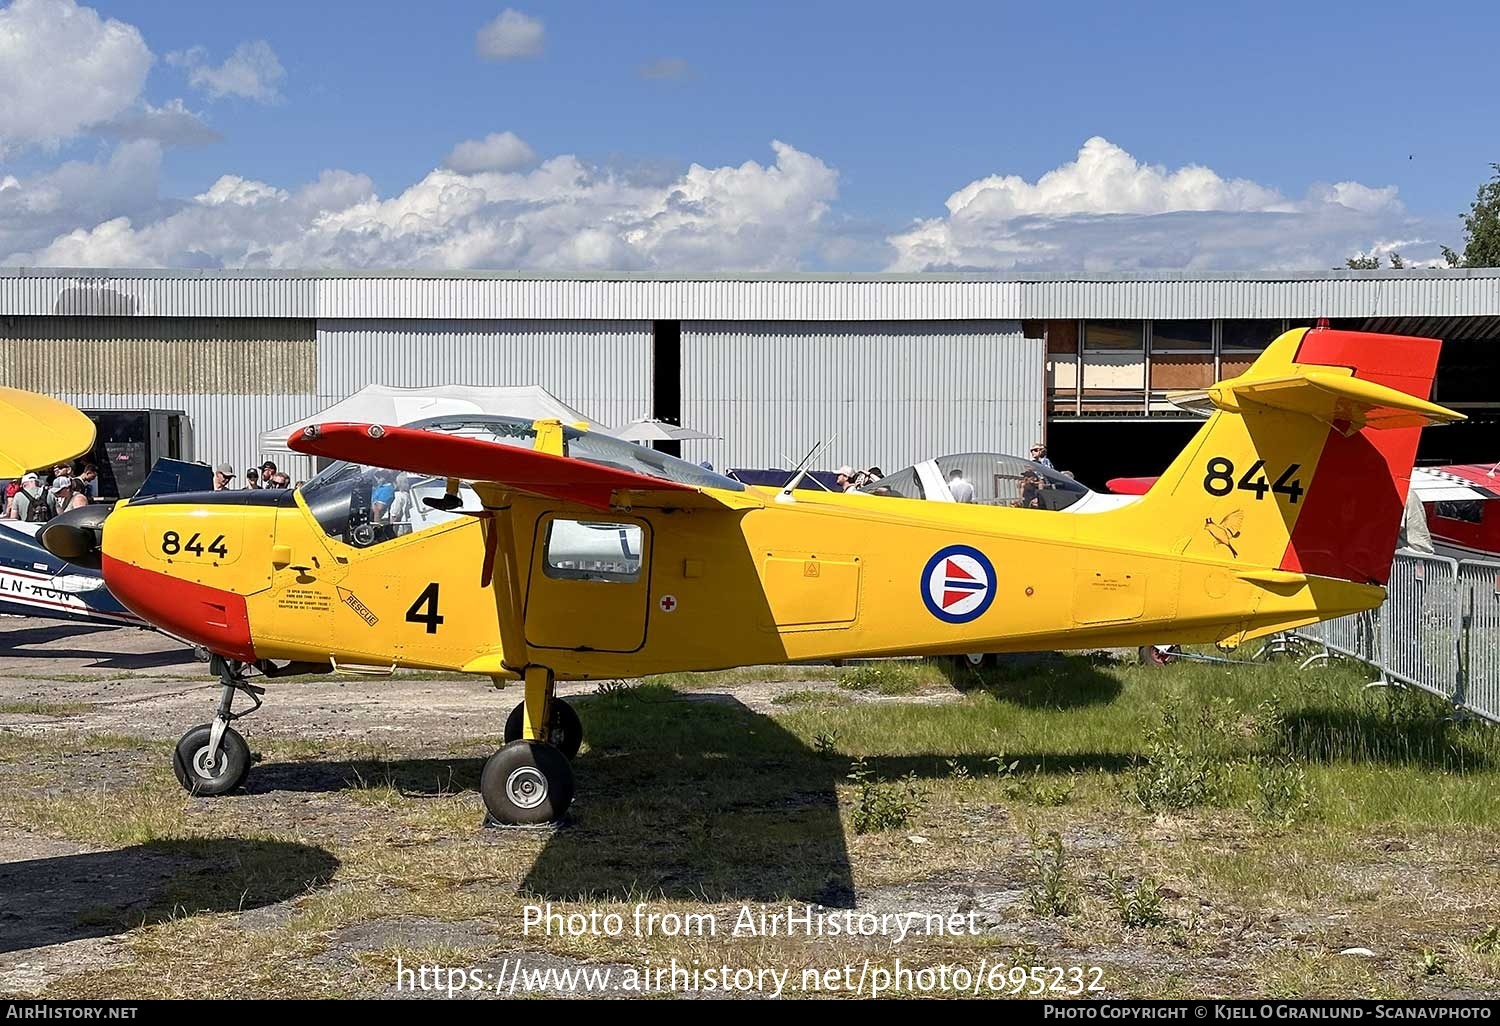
column 983, row 478
column 364, row 506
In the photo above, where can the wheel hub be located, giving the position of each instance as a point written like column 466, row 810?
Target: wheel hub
column 201, row 764
column 526, row 787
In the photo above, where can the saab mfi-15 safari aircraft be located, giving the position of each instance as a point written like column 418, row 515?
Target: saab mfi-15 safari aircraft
column 534, row 551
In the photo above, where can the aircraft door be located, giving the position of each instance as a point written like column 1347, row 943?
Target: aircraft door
column 589, row 587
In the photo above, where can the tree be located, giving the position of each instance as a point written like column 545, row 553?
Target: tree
column 1481, row 228
column 1371, row 262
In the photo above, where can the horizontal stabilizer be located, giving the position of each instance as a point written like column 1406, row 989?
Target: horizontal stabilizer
column 436, row 454
column 1329, row 395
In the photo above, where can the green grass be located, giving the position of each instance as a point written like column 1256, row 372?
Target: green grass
column 1369, row 755
column 809, row 697
column 38, row 707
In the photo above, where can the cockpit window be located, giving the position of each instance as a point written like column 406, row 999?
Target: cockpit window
column 638, row 459
column 991, row 479
column 365, row 506
column 903, row 484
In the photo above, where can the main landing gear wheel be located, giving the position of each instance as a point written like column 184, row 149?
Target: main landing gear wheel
column 1156, row 655
column 564, row 728
column 527, row 783
column 211, row 776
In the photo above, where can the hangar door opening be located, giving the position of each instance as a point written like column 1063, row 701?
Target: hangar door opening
column 889, row 393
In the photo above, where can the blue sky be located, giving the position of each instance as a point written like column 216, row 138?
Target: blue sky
column 900, row 107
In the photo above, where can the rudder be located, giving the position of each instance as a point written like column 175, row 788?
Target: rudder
column 1305, row 461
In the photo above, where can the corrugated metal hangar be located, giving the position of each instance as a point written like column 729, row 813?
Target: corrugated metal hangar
column 896, row 369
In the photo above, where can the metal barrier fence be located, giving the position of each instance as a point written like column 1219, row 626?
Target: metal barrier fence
column 1438, row 629
column 1479, row 589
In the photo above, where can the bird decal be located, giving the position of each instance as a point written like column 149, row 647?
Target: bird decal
column 1226, row 529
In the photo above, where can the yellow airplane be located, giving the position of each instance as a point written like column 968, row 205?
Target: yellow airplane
column 539, row 552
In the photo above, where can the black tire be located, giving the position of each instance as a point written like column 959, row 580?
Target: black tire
column 190, row 758
column 974, row 661
column 564, row 729
column 527, row 783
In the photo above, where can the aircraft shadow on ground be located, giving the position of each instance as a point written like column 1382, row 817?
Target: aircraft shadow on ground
column 44, row 635
column 697, row 797
column 1039, row 680
column 96, row 894
column 682, row 797
column 1368, row 737
column 678, row 797
column 112, row 660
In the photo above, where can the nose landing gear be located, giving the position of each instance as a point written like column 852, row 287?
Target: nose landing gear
column 212, row 758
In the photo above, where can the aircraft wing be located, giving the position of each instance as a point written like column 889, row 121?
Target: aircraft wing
column 595, row 485
column 37, row 431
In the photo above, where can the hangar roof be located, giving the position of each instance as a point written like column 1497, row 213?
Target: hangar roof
column 803, row 297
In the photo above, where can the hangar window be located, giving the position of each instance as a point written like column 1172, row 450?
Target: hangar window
column 1249, row 335
column 1182, row 336
column 1113, row 336
column 587, row 550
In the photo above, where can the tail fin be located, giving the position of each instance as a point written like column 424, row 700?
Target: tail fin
column 1305, row 462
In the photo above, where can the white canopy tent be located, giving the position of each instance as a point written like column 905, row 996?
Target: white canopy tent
column 648, row 429
column 383, row 404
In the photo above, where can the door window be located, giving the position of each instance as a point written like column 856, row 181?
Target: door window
column 584, row 550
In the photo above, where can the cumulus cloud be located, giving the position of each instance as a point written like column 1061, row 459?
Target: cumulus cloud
column 666, row 69
column 171, row 124
column 1106, row 211
column 65, row 69
column 498, row 151
column 35, row 209
column 564, row 214
column 510, row 36
column 252, row 71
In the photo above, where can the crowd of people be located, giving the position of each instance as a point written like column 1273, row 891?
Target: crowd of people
column 40, row 495
column 264, row 476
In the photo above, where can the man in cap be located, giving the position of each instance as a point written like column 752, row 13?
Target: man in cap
column 30, row 501
column 1039, row 456
column 845, row 479
column 65, row 496
column 223, row 477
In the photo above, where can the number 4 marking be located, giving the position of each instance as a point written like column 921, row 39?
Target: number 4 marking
column 428, row 598
column 1258, row 487
column 1293, row 489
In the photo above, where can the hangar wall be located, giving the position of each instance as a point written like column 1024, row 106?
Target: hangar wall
column 227, row 374
column 893, row 392
column 602, row 368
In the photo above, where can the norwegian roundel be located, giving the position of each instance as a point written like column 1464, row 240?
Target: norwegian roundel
column 958, row 584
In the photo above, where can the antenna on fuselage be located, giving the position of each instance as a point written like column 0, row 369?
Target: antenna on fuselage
column 785, row 495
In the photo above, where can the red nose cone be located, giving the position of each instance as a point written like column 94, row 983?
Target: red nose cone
column 204, row 616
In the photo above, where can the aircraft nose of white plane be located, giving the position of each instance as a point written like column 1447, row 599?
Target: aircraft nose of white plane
column 76, row 535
